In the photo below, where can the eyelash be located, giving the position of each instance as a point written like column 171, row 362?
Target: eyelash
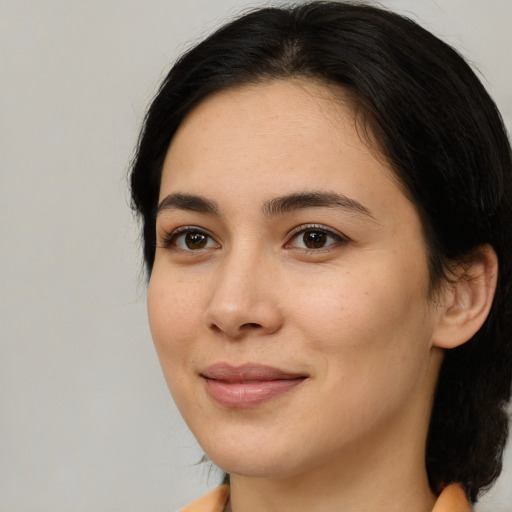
column 304, row 228
column 171, row 238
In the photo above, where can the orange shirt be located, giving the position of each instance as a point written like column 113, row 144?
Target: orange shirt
column 452, row 499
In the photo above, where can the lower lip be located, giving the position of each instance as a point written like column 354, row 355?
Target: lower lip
column 248, row 394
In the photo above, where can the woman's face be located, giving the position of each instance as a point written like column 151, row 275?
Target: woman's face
column 289, row 295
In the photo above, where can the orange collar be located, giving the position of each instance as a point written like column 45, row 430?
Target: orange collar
column 452, row 499
column 214, row 501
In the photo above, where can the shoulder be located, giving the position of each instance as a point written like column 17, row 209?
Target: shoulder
column 214, row 501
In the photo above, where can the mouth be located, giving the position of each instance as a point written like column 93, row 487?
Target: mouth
column 248, row 385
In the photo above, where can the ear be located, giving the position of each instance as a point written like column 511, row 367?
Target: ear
column 468, row 299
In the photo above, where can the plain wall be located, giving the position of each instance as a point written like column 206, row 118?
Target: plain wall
column 86, row 422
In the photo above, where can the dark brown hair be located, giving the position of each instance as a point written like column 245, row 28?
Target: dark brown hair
column 445, row 140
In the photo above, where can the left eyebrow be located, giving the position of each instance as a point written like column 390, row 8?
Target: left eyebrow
column 301, row 200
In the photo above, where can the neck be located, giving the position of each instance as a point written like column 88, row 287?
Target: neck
column 381, row 489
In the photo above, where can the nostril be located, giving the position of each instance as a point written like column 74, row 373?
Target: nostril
column 215, row 328
column 250, row 325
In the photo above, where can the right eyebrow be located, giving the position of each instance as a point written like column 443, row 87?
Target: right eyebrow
column 193, row 203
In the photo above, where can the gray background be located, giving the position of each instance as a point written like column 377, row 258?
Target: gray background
column 86, row 423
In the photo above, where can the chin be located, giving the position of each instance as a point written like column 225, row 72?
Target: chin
column 262, row 459
column 260, row 468
column 251, row 459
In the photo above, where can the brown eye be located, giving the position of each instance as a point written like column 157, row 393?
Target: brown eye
column 191, row 239
column 314, row 239
column 196, row 240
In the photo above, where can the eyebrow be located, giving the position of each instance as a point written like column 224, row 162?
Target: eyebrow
column 301, row 200
column 271, row 208
column 188, row 202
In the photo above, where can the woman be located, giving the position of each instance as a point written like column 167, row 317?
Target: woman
column 325, row 193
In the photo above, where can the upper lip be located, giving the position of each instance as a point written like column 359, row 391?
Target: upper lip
column 248, row 372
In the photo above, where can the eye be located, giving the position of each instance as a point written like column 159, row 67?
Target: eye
column 313, row 237
column 190, row 239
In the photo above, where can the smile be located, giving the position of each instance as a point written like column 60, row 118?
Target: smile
column 248, row 385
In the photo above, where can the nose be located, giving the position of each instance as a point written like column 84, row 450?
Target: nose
column 244, row 298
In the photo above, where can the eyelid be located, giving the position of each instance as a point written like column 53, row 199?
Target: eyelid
column 169, row 238
column 295, row 232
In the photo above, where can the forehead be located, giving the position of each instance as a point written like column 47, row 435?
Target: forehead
column 307, row 102
column 261, row 141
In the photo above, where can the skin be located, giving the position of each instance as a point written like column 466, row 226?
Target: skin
column 355, row 315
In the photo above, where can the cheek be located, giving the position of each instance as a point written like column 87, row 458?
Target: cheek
column 173, row 322
column 372, row 343
column 173, row 316
column 351, row 305
column 367, row 325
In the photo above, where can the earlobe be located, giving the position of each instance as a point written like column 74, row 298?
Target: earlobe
column 467, row 299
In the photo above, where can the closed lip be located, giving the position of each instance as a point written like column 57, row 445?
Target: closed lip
column 248, row 385
column 248, row 372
